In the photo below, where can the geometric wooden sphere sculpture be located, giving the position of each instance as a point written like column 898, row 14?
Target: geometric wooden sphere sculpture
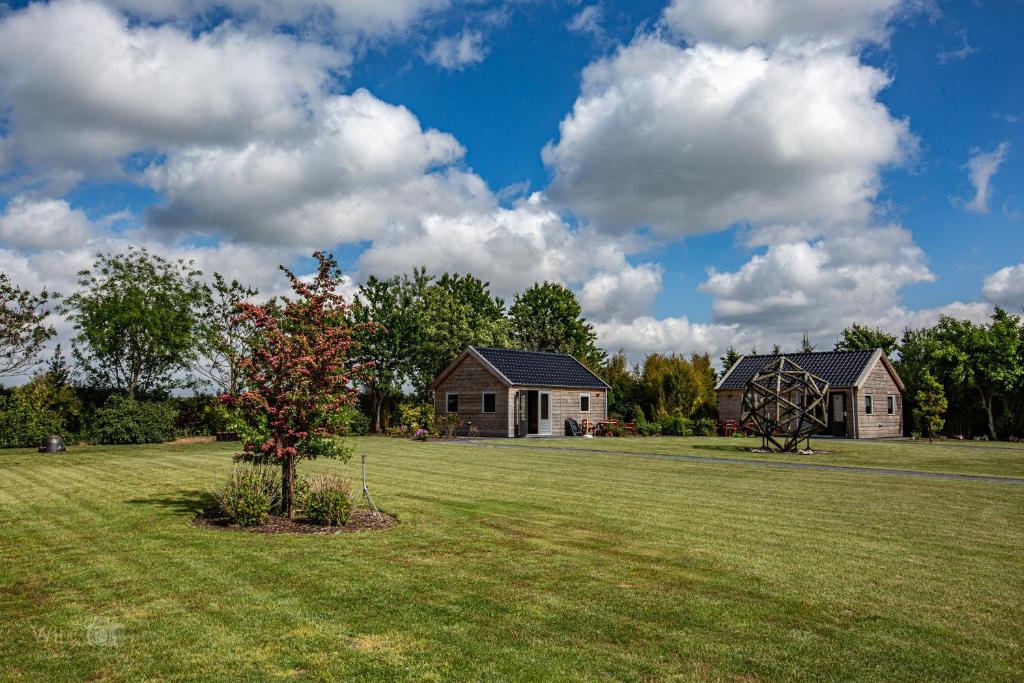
column 784, row 404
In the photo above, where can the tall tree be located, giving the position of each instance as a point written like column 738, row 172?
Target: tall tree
column 622, row 378
column 459, row 311
column 23, row 327
column 223, row 333
column 731, row 357
column 865, row 338
column 298, row 377
column 135, row 319
column 931, row 406
column 805, row 343
column 547, row 317
column 986, row 359
column 389, row 348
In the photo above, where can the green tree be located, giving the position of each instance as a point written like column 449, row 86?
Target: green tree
column 223, row 333
column 622, row 378
column 864, row 338
column 805, row 343
column 986, row 359
column 931, row 406
column 460, row 311
column 731, row 357
column 23, row 327
column 547, row 317
column 135, row 320
column 389, row 316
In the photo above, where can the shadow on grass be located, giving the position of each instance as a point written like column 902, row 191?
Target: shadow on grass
column 190, row 502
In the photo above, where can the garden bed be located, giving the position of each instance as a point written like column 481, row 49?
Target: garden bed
column 362, row 519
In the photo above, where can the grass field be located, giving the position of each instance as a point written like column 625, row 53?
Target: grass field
column 519, row 564
column 956, row 457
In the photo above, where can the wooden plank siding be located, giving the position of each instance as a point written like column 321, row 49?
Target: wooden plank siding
column 470, row 379
column 879, row 384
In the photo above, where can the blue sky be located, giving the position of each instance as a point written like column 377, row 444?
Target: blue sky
column 701, row 177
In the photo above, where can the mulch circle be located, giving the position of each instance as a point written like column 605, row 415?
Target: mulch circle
column 362, row 519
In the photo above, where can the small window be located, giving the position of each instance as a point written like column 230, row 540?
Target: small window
column 868, row 407
column 489, row 402
column 453, row 403
column 584, row 403
column 890, row 405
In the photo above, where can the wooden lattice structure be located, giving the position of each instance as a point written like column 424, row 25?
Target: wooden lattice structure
column 784, row 404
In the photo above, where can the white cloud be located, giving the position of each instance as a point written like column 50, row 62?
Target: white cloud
column 103, row 89
column 694, row 140
column 361, row 164
column 588, row 21
column 980, row 169
column 1005, row 287
column 346, row 17
column 455, row 53
column 957, row 54
column 742, row 23
column 820, row 286
column 644, row 335
column 622, row 294
column 31, row 224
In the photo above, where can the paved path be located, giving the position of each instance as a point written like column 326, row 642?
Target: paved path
column 850, row 469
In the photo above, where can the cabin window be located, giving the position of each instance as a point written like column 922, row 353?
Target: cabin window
column 489, row 402
column 868, row 407
column 584, row 403
column 890, row 405
column 453, row 403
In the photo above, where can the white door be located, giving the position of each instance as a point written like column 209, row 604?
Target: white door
column 544, row 422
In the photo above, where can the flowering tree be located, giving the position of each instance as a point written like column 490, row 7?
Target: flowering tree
column 299, row 377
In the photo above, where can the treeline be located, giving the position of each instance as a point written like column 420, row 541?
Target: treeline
column 147, row 328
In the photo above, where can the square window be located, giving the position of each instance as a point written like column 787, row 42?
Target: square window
column 890, row 404
column 453, row 403
column 584, row 403
column 489, row 403
column 868, row 407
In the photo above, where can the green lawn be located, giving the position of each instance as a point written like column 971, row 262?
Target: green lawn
column 957, row 457
column 523, row 564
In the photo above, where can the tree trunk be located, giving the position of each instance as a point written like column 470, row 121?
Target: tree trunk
column 987, row 402
column 288, row 487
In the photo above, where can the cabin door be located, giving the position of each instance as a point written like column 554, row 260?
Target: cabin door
column 522, row 410
column 545, row 414
column 837, row 413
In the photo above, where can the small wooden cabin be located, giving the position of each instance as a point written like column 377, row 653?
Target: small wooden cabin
column 507, row 392
column 865, row 395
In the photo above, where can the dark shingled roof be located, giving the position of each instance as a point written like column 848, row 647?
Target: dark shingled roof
column 838, row 368
column 536, row 368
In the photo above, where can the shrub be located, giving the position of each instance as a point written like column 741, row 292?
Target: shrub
column 327, row 499
column 415, row 415
column 448, row 425
column 200, row 416
column 249, row 494
column 358, row 423
column 647, row 428
column 24, row 425
column 705, row 426
column 676, row 425
column 122, row 420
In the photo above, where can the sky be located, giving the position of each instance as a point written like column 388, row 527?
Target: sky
column 702, row 174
